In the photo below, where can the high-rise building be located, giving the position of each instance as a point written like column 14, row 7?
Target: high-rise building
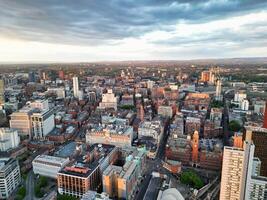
column 218, row 95
column 265, row 117
column 2, row 90
column 75, row 86
column 31, row 76
column 234, row 172
column 9, row 176
column 259, row 137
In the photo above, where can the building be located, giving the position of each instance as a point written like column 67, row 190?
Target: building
column 153, row 129
column 9, row 176
column 234, row 169
column 9, row 139
column 60, row 92
column 75, row 86
column 108, row 101
column 85, row 173
column 48, row 166
column 205, row 76
column 43, row 122
column 259, row 107
column 265, row 117
column 192, row 124
column 61, row 74
column 245, row 104
column 165, row 111
column 120, row 181
column 259, row 137
column 118, row 135
column 21, row 121
column 218, row 95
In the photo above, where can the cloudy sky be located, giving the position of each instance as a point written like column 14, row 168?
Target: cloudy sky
column 100, row 30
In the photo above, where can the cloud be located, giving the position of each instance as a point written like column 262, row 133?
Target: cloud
column 136, row 25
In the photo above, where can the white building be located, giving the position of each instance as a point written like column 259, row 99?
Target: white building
column 259, row 107
column 153, row 129
column 48, row 166
column 75, row 86
column 245, row 104
column 239, row 96
column 108, row 101
column 9, row 139
column 9, row 176
column 43, row 122
column 40, row 104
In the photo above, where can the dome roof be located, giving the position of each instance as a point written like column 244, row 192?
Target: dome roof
column 171, row 194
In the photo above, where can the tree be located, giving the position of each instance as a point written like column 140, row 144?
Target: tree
column 234, row 126
column 21, row 193
column 191, row 178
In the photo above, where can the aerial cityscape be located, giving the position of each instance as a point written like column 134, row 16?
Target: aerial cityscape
column 133, row 100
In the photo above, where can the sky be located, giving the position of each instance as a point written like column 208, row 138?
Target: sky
column 114, row 30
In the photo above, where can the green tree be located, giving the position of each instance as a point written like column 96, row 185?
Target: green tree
column 21, row 193
column 191, row 178
column 234, row 126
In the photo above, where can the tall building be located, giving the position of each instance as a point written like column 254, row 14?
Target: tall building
column 265, row 117
column 259, row 137
column 218, row 95
column 2, row 90
column 9, row 139
column 42, row 123
column 234, row 172
column 75, row 86
column 9, row 177
column 31, row 76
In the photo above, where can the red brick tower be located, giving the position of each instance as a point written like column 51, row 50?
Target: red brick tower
column 195, row 142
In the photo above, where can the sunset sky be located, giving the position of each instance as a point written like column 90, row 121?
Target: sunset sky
column 101, row 30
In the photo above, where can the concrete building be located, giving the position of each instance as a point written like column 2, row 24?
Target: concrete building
column 120, row 181
column 42, row 123
column 93, row 195
column 258, row 136
column 120, row 135
column 21, row 121
column 9, row 176
column 60, row 92
column 192, row 124
column 218, row 95
column 85, row 173
column 48, row 166
column 245, row 105
column 75, row 86
column 234, row 169
column 153, row 129
column 9, row 139
column 108, row 101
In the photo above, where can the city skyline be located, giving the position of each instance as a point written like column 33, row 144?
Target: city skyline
column 87, row 31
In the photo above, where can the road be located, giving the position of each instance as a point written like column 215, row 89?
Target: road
column 153, row 165
column 30, row 186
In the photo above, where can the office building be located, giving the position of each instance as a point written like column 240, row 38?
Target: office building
column 120, row 181
column 218, row 95
column 259, row 138
column 21, row 121
column 48, row 166
column 108, row 101
column 43, row 122
column 234, row 172
column 9, row 177
column 85, row 173
column 165, row 111
column 9, row 139
column 75, row 86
